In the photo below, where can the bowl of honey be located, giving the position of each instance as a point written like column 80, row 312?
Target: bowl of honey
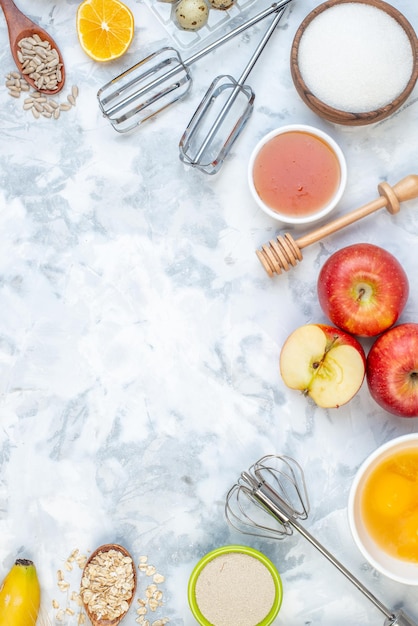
column 297, row 174
column 383, row 509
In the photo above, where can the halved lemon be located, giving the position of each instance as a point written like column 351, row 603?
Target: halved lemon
column 105, row 28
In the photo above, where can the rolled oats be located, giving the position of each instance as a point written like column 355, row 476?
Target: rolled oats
column 158, row 579
column 108, row 584
column 151, row 602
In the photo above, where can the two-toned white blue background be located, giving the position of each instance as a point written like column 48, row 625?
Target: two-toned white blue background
column 140, row 336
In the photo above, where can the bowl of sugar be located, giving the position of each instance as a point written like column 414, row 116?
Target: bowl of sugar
column 354, row 62
column 383, row 509
column 297, row 174
column 235, row 585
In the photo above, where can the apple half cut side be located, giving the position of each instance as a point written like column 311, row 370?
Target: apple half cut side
column 323, row 362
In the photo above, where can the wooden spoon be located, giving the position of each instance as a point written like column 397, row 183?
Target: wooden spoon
column 20, row 27
column 92, row 616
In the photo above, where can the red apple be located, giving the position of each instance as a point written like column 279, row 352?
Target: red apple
column 323, row 362
column 392, row 370
column 363, row 289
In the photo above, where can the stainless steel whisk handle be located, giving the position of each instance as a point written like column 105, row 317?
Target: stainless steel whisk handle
column 273, row 8
column 399, row 618
column 274, row 503
column 269, row 499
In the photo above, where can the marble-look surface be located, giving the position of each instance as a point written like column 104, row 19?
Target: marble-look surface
column 139, row 334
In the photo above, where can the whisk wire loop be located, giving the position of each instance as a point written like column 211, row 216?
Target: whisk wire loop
column 162, row 78
column 286, row 475
column 271, row 491
column 246, row 514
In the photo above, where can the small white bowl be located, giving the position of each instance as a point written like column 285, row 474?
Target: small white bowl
column 405, row 572
column 323, row 210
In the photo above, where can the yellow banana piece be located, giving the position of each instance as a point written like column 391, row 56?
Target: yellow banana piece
column 20, row 595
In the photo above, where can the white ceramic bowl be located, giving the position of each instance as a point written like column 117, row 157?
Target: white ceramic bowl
column 326, row 208
column 402, row 571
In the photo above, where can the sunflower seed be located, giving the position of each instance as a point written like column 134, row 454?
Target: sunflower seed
column 40, row 105
column 40, row 62
column 25, row 44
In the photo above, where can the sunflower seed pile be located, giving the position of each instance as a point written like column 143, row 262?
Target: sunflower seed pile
column 40, row 62
column 38, row 103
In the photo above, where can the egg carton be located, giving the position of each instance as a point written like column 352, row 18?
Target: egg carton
column 217, row 22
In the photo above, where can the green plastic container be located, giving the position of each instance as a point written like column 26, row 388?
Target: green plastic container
column 198, row 569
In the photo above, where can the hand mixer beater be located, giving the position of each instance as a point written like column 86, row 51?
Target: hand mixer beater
column 273, row 489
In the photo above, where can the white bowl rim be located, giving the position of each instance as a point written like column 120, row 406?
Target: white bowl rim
column 401, row 442
column 316, row 132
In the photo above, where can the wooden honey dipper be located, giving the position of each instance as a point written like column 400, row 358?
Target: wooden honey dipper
column 284, row 252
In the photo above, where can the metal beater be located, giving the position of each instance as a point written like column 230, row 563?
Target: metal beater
column 221, row 115
column 159, row 80
column 274, row 487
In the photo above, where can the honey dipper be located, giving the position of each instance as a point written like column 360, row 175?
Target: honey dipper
column 284, row 252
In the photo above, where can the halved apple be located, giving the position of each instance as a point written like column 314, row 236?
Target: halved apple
column 323, row 362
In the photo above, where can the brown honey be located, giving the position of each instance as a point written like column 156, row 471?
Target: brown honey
column 296, row 173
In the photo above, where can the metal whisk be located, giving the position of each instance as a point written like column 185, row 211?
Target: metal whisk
column 273, row 490
column 222, row 115
column 159, row 80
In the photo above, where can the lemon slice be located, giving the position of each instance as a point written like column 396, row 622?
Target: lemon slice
column 105, row 28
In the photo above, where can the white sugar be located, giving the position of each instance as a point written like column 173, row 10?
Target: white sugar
column 355, row 57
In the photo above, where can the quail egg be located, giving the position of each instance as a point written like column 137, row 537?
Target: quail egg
column 191, row 14
column 222, row 4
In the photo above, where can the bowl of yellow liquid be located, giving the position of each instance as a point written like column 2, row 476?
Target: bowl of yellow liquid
column 383, row 509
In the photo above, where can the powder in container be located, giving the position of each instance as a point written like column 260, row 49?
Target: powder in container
column 235, row 589
column 355, row 57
